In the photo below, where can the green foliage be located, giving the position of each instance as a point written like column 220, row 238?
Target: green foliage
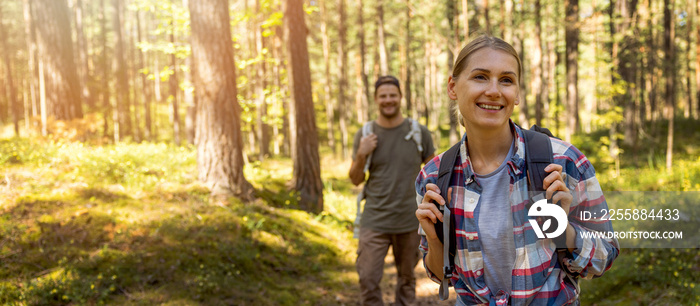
column 100, row 228
column 666, row 276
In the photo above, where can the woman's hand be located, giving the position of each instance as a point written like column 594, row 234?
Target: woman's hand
column 553, row 184
column 427, row 213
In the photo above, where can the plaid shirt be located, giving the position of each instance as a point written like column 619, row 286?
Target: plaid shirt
column 537, row 276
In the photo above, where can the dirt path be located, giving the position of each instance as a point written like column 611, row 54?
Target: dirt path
column 426, row 289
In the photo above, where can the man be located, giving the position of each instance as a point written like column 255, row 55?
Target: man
column 389, row 218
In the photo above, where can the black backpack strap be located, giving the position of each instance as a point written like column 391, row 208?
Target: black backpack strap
column 538, row 155
column 446, row 230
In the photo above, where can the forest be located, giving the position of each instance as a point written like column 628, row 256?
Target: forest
column 196, row 151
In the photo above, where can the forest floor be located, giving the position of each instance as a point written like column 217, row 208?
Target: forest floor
column 129, row 225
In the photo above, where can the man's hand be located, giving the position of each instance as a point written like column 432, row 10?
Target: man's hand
column 367, row 145
column 357, row 169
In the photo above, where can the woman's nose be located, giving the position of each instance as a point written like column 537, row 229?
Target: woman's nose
column 492, row 91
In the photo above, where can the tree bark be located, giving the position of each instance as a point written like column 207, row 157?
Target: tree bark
column 330, row 113
column 572, row 33
column 9, row 82
column 306, row 177
column 537, row 63
column 84, row 69
column 342, row 79
column 670, row 76
column 262, row 135
column 690, row 97
column 381, row 42
column 174, row 84
column 697, row 60
column 106, row 106
column 133, row 78
column 485, row 16
column 651, row 67
column 519, row 44
column 365, row 82
column 453, row 22
column 219, row 143
column 30, row 36
column 122, row 119
column 147, row 96
column 465, row 14
column 62, row 85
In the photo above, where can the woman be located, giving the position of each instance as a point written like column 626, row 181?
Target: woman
column 499, row 258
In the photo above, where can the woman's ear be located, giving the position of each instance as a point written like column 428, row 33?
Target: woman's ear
column 451, row 83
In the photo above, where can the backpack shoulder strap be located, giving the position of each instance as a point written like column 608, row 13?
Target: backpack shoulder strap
column 446, row 230
column 538, row 154
column 416, row 134
column 366, row 130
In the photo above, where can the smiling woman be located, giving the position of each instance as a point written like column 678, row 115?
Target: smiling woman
column 498, row 258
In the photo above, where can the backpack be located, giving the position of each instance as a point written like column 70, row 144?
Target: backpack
column 414, row 133
column 538, row 154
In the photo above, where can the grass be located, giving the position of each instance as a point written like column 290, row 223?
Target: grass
column 129, row 224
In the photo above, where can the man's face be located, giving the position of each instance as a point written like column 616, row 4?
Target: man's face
column 388, row 99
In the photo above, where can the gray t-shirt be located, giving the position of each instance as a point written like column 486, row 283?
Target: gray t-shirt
column 390, row 204
column 496, row 228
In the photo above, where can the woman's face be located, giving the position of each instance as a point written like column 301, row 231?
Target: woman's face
column 487, row 89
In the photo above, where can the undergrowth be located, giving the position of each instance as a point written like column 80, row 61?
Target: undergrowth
column 129, row 224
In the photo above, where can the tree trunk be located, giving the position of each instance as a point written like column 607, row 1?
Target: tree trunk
column 697, row 60
column 465, row 14
column 147, row 96
column 123, row 103
column 11, row 92
column 406, row 66
column 133, row 77
column 106, row 106
column 508, row 20
column 670, row 76
column 537, row 63
column 278, row 102
column 365, row 82
column 84, row 70
column 218, row 140
column 625, row 67
column 519, row 44
column 572, row 24
column 485, row 16
column 30, row 36
column 62, row 86
column 453, row 22
column 174, row 84
column 381, row 42
column 330, row 113
column 690, row 97
column 306, row 177
column 360, row 110
column 651, row 68
column 262, row 135
column 342, row 79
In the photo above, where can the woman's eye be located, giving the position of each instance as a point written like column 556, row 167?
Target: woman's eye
column 480, row 77
column 507, row 80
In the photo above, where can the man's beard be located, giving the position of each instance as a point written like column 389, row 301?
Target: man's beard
column 390, row 115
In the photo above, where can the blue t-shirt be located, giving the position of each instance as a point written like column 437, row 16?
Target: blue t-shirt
column 496, row 228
